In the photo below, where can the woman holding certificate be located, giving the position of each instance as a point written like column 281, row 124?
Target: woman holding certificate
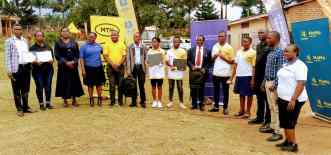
column 92, row 68
column 156, row 71
column 42, row 70
column 68, row 82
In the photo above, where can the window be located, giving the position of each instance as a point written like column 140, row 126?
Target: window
column 244, row 35
column 245, row 25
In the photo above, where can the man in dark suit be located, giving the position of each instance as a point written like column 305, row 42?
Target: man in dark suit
column 263, row 111
column 198, row 59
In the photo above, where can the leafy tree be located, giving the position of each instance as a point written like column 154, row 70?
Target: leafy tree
column 246, row 5
column 206, row 11
column 40, row 4
column 81, row 12
column 20, row 8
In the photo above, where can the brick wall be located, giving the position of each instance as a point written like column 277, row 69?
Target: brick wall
column 306, row 11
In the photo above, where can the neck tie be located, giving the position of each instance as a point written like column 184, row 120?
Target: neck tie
column 198, row 62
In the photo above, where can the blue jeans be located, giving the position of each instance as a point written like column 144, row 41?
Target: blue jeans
column 43, row 76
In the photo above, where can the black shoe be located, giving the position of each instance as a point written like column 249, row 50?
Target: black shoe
column 290, row 148
column 285, row 143
column 49, row 106
column 194, row 108
column 225, row 112
column 255, row 121
column 133, row 105
column 275, row 137
column 42, row 108
column 214, row 110
column 266, row 129
column 20, row 113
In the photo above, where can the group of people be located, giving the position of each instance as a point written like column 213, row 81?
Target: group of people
column 276, row 76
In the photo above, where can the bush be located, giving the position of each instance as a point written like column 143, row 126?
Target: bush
column 51, row 38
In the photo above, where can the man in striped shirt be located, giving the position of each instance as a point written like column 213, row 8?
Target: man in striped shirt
column 18, row 69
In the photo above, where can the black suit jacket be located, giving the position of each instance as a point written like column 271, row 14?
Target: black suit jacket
column 191, row 54
column 205, row 60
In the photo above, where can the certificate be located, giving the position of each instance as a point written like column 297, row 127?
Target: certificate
column 154, row 59
column 28, row 57
column 180, row 64
column 43, row 56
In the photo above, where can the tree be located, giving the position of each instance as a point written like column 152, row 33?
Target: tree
column 206, row 11
column 62, row 6
column 9, row 8
column 246, row 5
column 81, row 12
column 40, row 4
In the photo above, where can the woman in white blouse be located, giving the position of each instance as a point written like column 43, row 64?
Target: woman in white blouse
column 292, row 95
column 156, row 71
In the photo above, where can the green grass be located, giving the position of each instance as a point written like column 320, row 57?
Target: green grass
column 123, row 130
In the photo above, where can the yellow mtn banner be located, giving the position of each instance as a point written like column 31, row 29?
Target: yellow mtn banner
column 126, row 11
column 103, row 25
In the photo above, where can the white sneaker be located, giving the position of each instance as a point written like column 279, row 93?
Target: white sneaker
column 181, row 105
column 170, row 104
column 159, row 104
column 155, row 104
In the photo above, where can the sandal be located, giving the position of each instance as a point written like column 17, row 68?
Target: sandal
column 239, row 114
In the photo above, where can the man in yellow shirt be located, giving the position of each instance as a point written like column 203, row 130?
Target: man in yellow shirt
column 223, row 56
column 115, row 55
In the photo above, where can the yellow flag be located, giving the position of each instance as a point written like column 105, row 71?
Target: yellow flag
column 126, row 11
column 72, row 28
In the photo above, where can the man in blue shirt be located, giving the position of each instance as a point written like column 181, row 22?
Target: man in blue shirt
column 275, row 61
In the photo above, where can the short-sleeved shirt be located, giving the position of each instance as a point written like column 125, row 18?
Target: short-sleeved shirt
column 288, row 77
column 90, row 53
column 245, row 61
column 157, row 71
column 115, row 51
column 173, row 54
column 221, row 67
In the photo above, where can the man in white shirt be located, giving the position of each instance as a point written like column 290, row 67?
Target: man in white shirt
column 175, row 74
column 223, row 56
column 18, row 66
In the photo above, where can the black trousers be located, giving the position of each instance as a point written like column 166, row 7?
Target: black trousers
column 21, row 87
column 43, row 79
column 217, row 81
column 197, row 96
column 115, row 79
column 139, row 74
column 180, row 90
column 263, row 111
